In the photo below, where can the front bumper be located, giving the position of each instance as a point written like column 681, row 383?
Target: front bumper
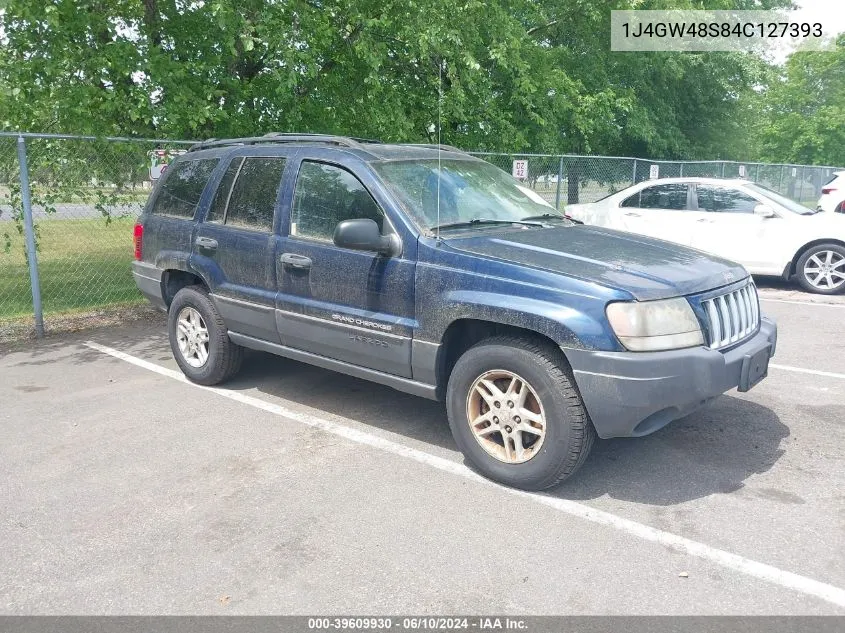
column 630, row 394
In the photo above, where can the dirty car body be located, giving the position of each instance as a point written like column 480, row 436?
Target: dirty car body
column 407, row 309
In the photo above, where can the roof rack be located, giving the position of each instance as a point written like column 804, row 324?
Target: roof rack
column 283, row 137
column 441, row 146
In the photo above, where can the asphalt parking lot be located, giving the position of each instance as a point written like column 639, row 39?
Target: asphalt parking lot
column 294, row 490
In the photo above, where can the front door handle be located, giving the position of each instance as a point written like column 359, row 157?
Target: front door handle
column 206, row 242
column 704, row 220
column 631, row 214
column 300, row 262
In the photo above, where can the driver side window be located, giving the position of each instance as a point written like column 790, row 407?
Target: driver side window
column 724, row 200
column 327, row 195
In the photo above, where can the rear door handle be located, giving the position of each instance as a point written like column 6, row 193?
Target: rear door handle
column 206, row 242
column 704, row 220
column 631, row 214
column 299, row 262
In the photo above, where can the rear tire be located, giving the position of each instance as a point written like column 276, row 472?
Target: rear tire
column 504, row 376
column 199, row 338
column 821, row 269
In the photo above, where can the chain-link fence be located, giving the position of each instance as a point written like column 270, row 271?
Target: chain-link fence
column 569, row 179
column 85, row 196
column 87, row 192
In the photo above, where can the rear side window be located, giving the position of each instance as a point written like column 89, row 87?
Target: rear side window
column 184, row 181
column 672, row 197
column 724, row 200
column 246, row 197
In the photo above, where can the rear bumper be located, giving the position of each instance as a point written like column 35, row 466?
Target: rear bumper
column 631, row 394
column 148, row 279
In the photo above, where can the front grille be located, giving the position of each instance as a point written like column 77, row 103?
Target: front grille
column 732, row 316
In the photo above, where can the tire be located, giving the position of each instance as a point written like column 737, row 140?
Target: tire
column 822, row 257
column 222, row 358
column 569, row 434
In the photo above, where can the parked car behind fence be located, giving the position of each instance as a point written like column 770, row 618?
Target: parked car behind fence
column 767, row 233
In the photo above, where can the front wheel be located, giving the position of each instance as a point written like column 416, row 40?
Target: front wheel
column 199, row 338
column 822, row 269
column 516, row 415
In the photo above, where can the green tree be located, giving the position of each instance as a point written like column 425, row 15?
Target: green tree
column 517, row 75
column 805, row 108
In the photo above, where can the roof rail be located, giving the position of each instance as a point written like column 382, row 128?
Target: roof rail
column 441, row 146
column 284, row 137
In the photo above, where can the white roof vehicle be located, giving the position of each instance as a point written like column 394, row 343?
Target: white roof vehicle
column 764, row 231
column 833, row 194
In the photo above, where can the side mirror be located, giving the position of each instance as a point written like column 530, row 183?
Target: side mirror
column 764, row 211
column 363, row 235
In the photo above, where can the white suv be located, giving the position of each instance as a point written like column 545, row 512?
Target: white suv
column 833, row 194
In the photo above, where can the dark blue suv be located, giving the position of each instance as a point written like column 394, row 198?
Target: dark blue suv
column 433, row 272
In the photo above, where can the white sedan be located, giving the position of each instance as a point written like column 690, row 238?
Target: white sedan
column 736, row 219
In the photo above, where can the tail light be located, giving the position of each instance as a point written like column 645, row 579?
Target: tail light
column 828, row 190
column 138, row 240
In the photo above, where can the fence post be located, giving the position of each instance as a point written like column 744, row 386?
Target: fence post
column 723, row 169
column 634, row 173
column 757, row 173
column 559, row 180
column 801, row 185
column 780, row 182
column 681, row 169
column 31, row 255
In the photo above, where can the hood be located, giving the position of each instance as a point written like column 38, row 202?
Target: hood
column 645, row 267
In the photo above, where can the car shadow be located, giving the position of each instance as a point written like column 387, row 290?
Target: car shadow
column 777, row 283
column 710, row 452
column 344, row 396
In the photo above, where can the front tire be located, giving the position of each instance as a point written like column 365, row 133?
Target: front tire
column 516, row 415
column 199, row 338
column 821, row 269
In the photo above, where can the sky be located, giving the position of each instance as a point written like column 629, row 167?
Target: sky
column 831, row 14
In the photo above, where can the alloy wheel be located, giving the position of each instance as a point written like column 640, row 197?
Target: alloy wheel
column 825, row 270
column 506, row 416
column 192, row 337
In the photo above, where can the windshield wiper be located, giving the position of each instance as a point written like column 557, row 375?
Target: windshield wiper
column 480, row 221
column 546, row 216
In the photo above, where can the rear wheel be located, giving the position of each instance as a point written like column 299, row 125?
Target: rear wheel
column 199, row 338
column 516, row 415
column 822, row 269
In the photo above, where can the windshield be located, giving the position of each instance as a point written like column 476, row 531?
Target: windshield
column 469, row 191
column 783, row 201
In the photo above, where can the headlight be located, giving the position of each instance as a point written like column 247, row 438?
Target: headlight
column 650, row 326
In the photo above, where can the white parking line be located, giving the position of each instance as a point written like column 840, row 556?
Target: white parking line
column 804, row 303
column 762, row 571
column 801, row 370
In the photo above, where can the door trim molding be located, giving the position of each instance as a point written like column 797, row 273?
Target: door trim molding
column 298, row 315
column 344, row 325
column 249, row 304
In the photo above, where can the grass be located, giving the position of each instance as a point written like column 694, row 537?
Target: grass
column 82, row 264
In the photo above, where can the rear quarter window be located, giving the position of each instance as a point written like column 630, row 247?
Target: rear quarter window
column 182, row 187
